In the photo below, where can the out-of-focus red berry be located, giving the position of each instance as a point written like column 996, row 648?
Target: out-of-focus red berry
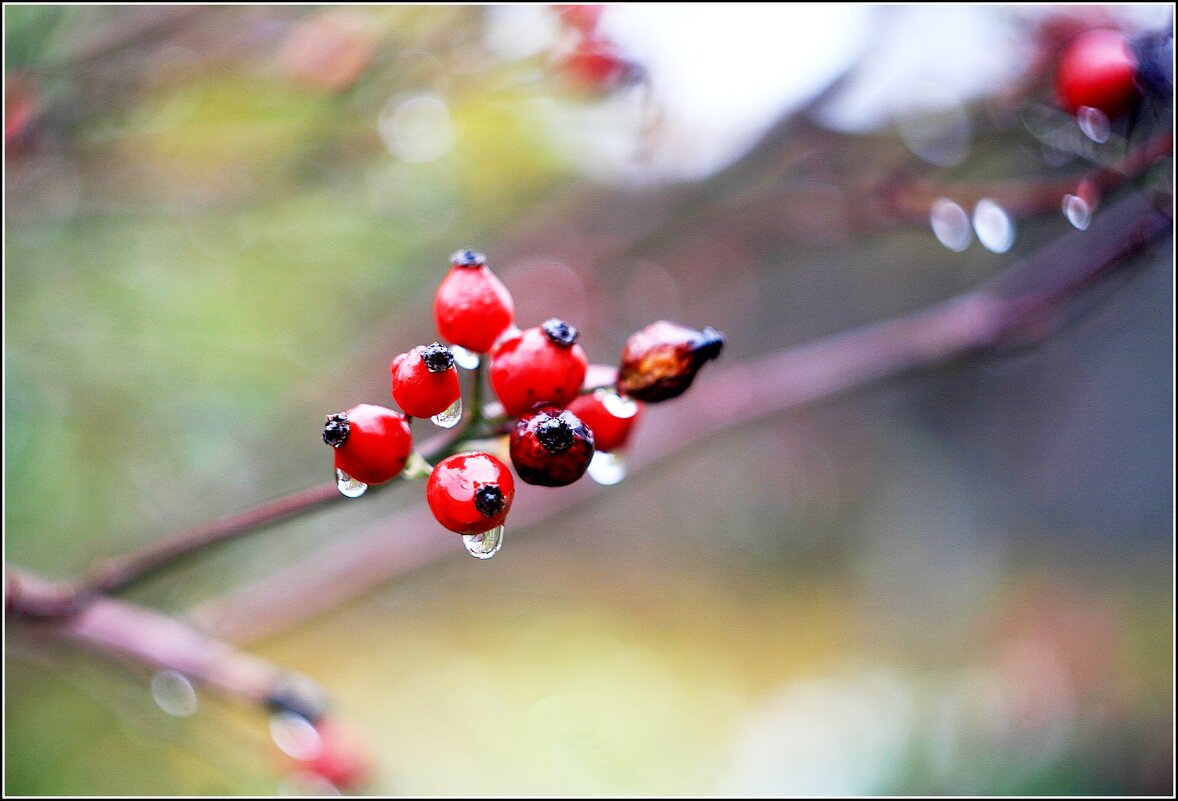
column 542, row 364
column 340, row 757
column 1097, row 70
column 472, row 306
column 610, row 432
column 596, row 64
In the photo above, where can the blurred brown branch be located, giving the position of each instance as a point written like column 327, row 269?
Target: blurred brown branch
column 161, row 642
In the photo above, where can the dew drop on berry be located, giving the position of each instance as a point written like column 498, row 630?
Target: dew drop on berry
column 348, row 486
column 1077, row 211
column 608, row 468
column 485, row 545
column 295, row 736
column 174, row 693
column 1094, row 123
column 450, row 417
column 622, row 407
column 466, row 359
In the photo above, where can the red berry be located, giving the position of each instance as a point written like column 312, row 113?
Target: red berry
column 341, row 759
column 470, row 493
column 542, row 364
column 424, row 381
column 551, row 447
column 472, row 306
column 371, row 442
column 1097, row 69
column 610, row 432
column 660, row 361
column 595, row 63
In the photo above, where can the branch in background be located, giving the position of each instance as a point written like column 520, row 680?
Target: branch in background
column 1011, row 307
column 133, row 633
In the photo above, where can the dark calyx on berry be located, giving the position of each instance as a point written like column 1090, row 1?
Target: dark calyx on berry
column 336, row 429
column 660, row 361
column 489, row 500
column 560, row 333
column 555, row 434
column 468, row 258
column 437, row 358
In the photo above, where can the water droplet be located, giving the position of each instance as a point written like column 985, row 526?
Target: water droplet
column 950, row 225
column 621, row 406
column 935, row 126
column 416, row 466
column 349, row 486
column 295, row 736
column 1094, row 123
column 417, row 129
column 450, row 417
column 1077, row 210
column 466, row 359
column 993, row 226
column 485, row 545
column 608, row 469
column 174, row 693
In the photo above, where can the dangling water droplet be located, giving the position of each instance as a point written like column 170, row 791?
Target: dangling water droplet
column 1094, row 123
column 950, row 225
column 295, row 736
column 174, row 693
column 416, row 466
column 608, row 468
column 450, row 417
column 993, row 226
column 466, row 359
column 349, row 486
column 485, row 545
column 621, row 406
column 1077, row 210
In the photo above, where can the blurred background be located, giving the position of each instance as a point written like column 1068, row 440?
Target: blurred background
column 222, row 222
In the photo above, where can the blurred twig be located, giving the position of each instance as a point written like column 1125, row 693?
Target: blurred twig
column 161, row 642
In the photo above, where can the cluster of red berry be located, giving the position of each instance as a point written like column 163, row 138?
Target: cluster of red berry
column 558, row 423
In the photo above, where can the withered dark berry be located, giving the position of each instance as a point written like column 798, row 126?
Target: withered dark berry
column 551, row 447
column 660, row 361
